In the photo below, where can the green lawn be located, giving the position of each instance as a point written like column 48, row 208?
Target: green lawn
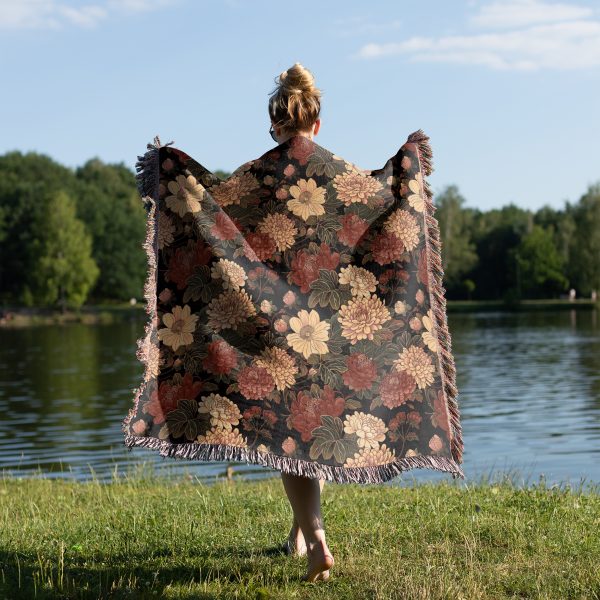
column 147, row 536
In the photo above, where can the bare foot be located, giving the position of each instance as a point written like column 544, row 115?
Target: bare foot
column 295, row 544
column 320, row 560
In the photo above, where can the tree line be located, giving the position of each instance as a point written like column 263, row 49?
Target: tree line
column 74, row 236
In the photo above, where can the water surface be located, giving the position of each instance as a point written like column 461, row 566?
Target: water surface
column 529, row 396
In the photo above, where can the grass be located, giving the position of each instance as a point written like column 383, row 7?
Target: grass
column 149, row 536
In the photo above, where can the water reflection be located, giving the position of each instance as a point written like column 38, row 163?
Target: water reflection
column 529, row 395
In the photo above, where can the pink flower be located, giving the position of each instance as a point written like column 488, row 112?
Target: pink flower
column 289, row 298
column 289, row 445
column 435, row 443
column 255, row 382
column 361, row 372
column 139, row 427
column 165, row 296
column 415, row 324
column 280, row 326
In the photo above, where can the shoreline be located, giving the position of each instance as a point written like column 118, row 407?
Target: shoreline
column 101, row 314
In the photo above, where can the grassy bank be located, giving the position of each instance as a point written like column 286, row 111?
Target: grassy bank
column 111, row 313
column 88, row 314
column 147, row 537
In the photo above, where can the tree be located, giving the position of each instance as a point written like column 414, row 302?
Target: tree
column 585, row 243
column 496, row 232
column 64, row 268
column 111, row 208
column 458, row 250
column 540, row 266
column 24, row 180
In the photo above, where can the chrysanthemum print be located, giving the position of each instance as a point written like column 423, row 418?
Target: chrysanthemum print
column 297, row 315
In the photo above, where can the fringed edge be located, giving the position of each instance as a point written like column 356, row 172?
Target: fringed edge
column 436, row 273
column 147, row 167
column 296, row 466
column 147, row 180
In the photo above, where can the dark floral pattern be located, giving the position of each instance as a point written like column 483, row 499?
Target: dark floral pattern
column 294, row 314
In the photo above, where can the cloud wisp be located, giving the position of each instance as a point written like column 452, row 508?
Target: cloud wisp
column 526, row 35
column 60, row 14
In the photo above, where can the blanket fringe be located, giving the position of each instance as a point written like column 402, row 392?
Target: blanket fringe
column 436, row 272
column 296, row 466
column 147, row 167
column 147, row 179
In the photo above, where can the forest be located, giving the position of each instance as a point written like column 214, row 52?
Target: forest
column 70, row 237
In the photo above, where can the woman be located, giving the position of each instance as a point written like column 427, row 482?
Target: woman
column 294, row 108
column 296, row 316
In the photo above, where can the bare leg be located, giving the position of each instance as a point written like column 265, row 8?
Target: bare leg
column 304, row 494
column 296, row 543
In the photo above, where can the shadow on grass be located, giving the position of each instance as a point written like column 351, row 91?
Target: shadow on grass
column 28, row 575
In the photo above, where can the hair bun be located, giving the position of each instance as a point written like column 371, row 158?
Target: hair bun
column 296, row 102
column 297, row 80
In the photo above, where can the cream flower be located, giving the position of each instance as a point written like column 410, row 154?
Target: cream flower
column 180, row 325
column 361, row 281
column 371, row 457
column 308, row 199
column 232, row 275
column 223, row 412
column 369, row 429
column 362, row 317
column 416, row 362
column 400, row 307
column 224, row 437
column 166, row 228
column 280, row 229
column 310, row 333
column 280, row 365
column 353, row 186
column 232, row 190
column 152, row 361
column 416, row 198
column 186, row 195
column 266, row 306
column 429, row 335
column 404, row 226
column 230, row 309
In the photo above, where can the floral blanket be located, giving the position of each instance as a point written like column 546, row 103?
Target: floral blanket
column 297, row 317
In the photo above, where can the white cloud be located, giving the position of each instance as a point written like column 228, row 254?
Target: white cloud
column 550, row 36
column 138, row 5
column 57, row 14
column 520, row 13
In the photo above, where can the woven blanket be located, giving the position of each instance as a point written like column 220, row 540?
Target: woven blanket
column 297, row 316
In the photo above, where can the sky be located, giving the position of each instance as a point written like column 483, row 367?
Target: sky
column 507, row 90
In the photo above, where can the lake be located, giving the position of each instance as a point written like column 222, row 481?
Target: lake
column 529, row 397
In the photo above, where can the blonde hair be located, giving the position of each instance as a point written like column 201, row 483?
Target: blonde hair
column 295, row 104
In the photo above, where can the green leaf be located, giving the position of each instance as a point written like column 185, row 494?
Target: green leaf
column 331, row 441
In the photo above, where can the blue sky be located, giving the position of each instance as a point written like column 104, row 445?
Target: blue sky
column 507, row 90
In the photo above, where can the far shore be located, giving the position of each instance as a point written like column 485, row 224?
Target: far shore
column 92, row 314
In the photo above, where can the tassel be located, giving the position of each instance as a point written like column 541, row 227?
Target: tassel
column 148, row 167
column 437, row 293
column 295, row 466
